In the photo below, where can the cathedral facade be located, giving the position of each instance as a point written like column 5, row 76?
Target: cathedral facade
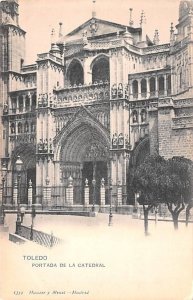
column 102, row 98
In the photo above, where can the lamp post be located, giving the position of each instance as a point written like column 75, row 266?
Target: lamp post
column 33, row 214
column 2, row 212
column 110, row 200
column 94, row 194
column 18, row 168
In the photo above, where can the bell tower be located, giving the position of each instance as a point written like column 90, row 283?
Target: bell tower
column 12, row 53
column 12, row 37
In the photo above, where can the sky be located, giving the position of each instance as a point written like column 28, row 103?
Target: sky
column 38, row 17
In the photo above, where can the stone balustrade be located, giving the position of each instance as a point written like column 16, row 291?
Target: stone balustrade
column 75, row 95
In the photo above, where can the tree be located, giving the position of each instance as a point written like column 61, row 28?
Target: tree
column 164, row 181
column 177, row 187
column 145, row 180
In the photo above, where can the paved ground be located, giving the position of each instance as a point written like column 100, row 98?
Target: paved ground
column 124, row 264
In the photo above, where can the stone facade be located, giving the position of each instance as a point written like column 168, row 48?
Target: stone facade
column 98, row 101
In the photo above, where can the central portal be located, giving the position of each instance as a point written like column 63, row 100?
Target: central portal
column 84, row 155
column 94, row 172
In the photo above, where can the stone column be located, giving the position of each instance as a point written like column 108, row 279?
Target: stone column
column 165, row 85
column 130, row 91
column 15, row 193
column 30, row 194
column 17, row 104
column 30, row 101
column 139, row 88
column 156, row 86
column 102, row 192
column 24, row 106
column 69, row 191
column 148, row 87
column 1, row 195
column 86, row 193
column 47, row 193
column 119, row 194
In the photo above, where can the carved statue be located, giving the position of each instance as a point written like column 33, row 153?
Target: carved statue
column 121, row 140
column 114, row 140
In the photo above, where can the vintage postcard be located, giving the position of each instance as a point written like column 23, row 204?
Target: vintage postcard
column 96, row 139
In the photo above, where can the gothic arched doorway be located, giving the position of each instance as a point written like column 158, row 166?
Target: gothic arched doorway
column 84, row 155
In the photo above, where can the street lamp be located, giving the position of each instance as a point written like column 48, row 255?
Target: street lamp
column 2, row 212
column 94, row 194
column 110, row 200
column 33, row 214
column 18, row 168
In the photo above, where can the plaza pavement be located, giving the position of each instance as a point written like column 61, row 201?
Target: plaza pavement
column 133, row 267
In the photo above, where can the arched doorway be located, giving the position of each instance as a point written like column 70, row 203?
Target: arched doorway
column 84, row 155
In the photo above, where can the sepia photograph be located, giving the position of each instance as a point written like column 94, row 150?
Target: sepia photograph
column 96, row 150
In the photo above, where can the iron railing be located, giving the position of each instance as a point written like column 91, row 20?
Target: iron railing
column 39, row 237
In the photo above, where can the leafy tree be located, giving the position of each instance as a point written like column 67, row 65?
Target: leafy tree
column 177, row 187
column 164, row 181
column 145, row 180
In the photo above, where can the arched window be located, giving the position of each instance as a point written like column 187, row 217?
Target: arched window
column 14, row 105
column 143, row 88
column 20, row 104
column 27, row 103
column 161, row 86
column 100, row 70
column 20, row 127
column 33, row 101
column 135, row 89
column 152, row 86
column 75, row 73
column 169, row 85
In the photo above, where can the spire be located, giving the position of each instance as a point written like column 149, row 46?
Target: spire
column 93, row 9
column 143, row 25
column 142, row 19
column 131, row 17
column 156, row 37
column 53, row 39
column 172, row 35
column 60, row 30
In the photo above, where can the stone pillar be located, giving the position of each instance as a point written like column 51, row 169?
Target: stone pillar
column 119, row 194
column 86, row 193
column 69, row 191
column 165, row 85
column 17, row 104
column 156, row 86
column 130, row 91
column 139, row 88
column 30, row 101
column 102, row 192
column 47, row 193
column 148, row 88
column 24, row 106
column 15, row 193
column 1, row 195
column 30, row 194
